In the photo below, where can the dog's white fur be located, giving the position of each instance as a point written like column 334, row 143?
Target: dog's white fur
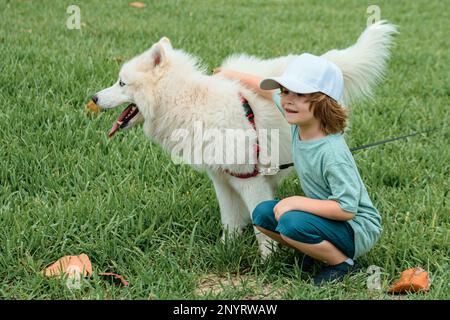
column 172, row 91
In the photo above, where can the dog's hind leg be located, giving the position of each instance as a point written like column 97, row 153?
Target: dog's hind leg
column 233, row 212
column 254, row 191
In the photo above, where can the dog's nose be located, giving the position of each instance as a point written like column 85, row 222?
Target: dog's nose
column 95, row 99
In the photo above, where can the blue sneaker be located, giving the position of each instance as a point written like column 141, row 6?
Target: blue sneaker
column 306, row 263
column 334, row 273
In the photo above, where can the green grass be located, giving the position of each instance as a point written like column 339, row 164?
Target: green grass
column 65, row 188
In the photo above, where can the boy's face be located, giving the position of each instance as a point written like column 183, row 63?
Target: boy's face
column 296, row 108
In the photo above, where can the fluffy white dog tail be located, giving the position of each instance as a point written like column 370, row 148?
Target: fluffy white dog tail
column 363, row 64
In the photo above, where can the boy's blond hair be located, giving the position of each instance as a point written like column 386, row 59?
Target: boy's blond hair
column 332, row 116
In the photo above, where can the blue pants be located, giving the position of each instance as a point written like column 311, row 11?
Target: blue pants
column 305, row 227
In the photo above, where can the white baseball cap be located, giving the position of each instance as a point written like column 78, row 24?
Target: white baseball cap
column 308, row 73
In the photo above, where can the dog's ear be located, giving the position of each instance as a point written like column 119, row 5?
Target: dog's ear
column 157, row 55
column 166, row 42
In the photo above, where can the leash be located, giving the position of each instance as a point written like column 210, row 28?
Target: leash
column 365, row 146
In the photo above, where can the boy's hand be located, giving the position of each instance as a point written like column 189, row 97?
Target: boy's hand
column 329, row 209
column 249, row 80
column 285, row 205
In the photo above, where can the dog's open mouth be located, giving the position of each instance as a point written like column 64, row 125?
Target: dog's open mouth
column 129, row 113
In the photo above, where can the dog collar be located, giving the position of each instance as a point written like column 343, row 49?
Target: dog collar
column 251, row 118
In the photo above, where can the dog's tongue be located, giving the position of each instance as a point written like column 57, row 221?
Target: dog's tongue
column 119, row 121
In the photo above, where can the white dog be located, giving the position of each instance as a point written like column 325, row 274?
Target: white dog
column 170, row 92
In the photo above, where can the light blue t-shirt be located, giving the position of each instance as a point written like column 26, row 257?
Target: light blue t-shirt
column 327, row 170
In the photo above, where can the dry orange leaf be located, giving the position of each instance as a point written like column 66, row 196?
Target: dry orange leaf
column 411, row 280
column 92, row 107
column 137, row 4
column 69, row 265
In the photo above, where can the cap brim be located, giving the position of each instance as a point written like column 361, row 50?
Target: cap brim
column 294, row 85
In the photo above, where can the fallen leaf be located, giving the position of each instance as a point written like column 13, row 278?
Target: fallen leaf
column 92, row 107
column 137, row 4
column 118, row 59
column 411, row 280
column 114, row 276
column 69, row 265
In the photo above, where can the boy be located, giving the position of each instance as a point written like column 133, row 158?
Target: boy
column 336, row 221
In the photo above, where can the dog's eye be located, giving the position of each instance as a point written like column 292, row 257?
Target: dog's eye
column 121, row 83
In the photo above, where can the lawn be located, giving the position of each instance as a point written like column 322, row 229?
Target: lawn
column 66, row 189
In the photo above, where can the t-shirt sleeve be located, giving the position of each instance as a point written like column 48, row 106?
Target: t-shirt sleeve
column 345, row 186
